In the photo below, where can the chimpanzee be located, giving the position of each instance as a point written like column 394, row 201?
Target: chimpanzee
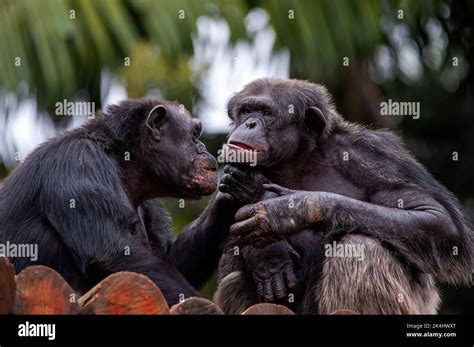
column 372, row 229
column 87, row 198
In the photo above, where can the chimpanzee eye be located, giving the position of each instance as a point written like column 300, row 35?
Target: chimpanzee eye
column 267, row 113
column 197, row 131
column 244, row 110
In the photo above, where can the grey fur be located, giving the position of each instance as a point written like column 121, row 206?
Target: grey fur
column 379, row 284
column 401, row 263
column 236, row 291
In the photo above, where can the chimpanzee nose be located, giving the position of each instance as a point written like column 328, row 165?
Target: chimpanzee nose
column 251, row 123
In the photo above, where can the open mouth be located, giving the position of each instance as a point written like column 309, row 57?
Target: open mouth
column 240, row 152
column 240, row 145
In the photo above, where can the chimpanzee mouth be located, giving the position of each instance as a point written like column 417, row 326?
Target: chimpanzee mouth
column 240, row 145
column 204, row 182
column 207, row 163
column 210, row 168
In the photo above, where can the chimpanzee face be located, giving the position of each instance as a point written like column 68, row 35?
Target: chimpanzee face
column 272, row 121
column 181, row 158
column 258, row 129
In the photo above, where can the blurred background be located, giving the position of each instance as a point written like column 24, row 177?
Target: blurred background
column 201, row 52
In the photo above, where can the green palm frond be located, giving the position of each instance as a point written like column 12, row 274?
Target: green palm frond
column 64, row 44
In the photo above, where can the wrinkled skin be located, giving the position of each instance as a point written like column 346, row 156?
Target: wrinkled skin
column 338, row 179
column 347, row 184
column 242, row 184
column 273, row 268
column 278, row 218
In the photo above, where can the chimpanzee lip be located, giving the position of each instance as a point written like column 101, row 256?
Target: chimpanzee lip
column 210, row 168
column 207, row 164
column 241, row 145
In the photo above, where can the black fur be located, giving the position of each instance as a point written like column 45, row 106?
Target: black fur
column 343, row 179
column 90, row 210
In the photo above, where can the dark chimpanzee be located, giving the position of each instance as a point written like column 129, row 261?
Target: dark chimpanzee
column 84, row 199
column 340, row 186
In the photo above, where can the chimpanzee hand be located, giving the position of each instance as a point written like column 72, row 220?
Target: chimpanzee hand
column 276, row 219
column 273, row 269
column 243, row 184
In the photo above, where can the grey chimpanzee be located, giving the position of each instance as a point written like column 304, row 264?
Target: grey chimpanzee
column 338, row 185
column 86, row 198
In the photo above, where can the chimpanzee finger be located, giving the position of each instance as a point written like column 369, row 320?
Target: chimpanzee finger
column 290, row 277
column 246, row 212
column 226, row 179
column 259, row 285
column 228, row 168
column 268, row 291
column 235, row 171
column 230, row 191
column 294, row 255
column 275, row 188
column 231, row 183
column 279, row 288
column 242, row 228
column 224, row 188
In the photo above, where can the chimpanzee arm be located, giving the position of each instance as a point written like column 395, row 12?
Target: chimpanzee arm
column 421, row 231
column 157, row 222
column 154, row 265
column 93, row 217
column 197, row 250
column 103, row 244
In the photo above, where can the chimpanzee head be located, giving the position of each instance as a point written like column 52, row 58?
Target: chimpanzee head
column 164, row 140
column 278, row 118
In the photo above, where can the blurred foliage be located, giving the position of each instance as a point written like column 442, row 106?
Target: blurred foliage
column 325, row 31
column 66, row 52
column 61, row 55
column 172, row 79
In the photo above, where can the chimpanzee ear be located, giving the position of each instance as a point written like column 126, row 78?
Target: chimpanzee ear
column 314, row 119
column 155, row 120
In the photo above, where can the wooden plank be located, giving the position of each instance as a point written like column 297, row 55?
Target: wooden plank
column 41, row 290
column 124, row 293
column 7, row 286
column 195, row 306
column 266, row 308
